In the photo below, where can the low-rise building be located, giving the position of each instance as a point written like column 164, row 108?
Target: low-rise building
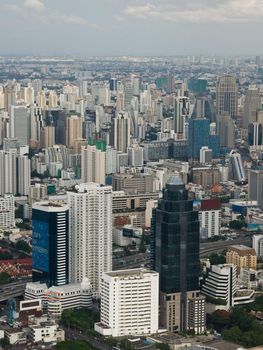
column 35, row 290
column 248, row 278
column 15, row 336
column 220, row 284
column 69, row 296
column 241, row 256
column 7, row 211
column 46, row 333
column 257, row 244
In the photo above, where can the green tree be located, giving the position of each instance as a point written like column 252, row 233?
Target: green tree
column 5, row 278
column 236, row 224
column 220, row 319
column 23, row 245
column 112, row 341
column 216, row 259
column 233, row 334
column 5, row 256
column 82, row 319
column 162, row 346
column 73, row 345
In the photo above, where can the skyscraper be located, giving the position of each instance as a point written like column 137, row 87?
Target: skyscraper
column 199, row 135
column 170, row 82
column 226, row 96
column 50, row 243
column 226, row 131
column 74, row 130
column 8, row 171
column 23, row 178
column 181, row 112
column 252, row 105
column 90, row 233
column 19, row 124
column 93, row 162
column 175, row 253
column 236, row 169
column 255, row 186
column 122, row 131
column 255, row 135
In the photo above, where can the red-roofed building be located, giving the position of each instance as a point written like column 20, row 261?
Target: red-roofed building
column 17, row 267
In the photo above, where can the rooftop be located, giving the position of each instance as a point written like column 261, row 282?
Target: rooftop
column 175, row 181
column 130, row 273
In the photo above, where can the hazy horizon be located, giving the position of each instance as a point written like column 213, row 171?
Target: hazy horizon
column 131, row 27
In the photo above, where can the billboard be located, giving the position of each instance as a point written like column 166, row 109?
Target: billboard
column 40, row 245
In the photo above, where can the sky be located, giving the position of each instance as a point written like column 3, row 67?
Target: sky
column 131, row 27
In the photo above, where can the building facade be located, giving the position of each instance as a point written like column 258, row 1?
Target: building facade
column 93, row 163
column 210, row 217
column 220, row 284
column 129, row 303
column 7, row 211
column 175, row 256
column 241, row 256
column 50, row 241
column 226, row 96
column 90, row 243
column 257, row 244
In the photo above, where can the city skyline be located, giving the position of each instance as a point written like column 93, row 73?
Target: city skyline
column 108, row 27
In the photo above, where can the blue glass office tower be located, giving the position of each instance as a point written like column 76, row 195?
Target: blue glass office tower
column 50, row 242
column 199, row 136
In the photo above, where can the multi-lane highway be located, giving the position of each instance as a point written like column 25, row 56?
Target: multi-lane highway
column 206, row 248
column 17, row 289
column 12, row 290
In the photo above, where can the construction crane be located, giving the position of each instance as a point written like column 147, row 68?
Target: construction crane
column 11, row 307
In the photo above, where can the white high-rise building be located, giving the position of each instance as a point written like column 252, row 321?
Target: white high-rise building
column 236, row 169
column 111, row 160
column 7, row 211
column 93, row 163
column 8, row 172
column 135, row 156
column 220, row 282
column 23, row 178
column 122, row 131
column 19, row 124
column 53, row 99
column 210, row 217
column 90, row 233
column 257, row 244
column 129, row 303
column 206, row 155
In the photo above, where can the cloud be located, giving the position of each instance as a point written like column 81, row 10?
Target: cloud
column 44, row 14
column 12, row 7
column 198, row 11
column 34, row 5
column 71, row 19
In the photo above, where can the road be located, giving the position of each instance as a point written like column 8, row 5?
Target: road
column 12, row 290
column 131, row 261
column 206, row 248
column 217, row 247
column 96, row 342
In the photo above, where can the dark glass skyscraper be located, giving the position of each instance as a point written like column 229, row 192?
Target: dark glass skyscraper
column 175, row 255
column 50, row 243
